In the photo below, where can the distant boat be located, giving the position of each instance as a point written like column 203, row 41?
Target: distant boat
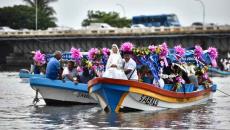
column 217, row 72
column 58, row 92
column 125, row 95
column 24, row 75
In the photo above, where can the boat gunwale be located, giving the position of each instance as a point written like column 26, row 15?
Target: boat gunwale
column 59, row 86
column 148, row 87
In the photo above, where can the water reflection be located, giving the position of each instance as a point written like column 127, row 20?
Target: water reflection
column 17, row 112
column 64, row 117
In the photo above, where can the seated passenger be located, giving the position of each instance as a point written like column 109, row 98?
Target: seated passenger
column 191, row 75
column 146, row 75
column 203, row 78
column 70, row 73
column 53, row 70
column 85, row 76
column 130, row 67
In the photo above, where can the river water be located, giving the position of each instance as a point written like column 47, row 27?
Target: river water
column 18, row 112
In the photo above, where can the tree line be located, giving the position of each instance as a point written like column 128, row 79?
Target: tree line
column 23, row 16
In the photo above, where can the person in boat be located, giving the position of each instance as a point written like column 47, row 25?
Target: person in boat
column 203, row 78
column 70, row 72
column 36, row 67
column 86, row 75
column 114, row 65
column 145, row 75
column 130, row 67
column 53, row 70
column 191, row 75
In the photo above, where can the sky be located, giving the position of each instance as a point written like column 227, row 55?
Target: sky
column 70, row 13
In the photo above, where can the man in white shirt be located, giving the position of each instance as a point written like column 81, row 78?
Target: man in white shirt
column 70, row 73
column 130, row 67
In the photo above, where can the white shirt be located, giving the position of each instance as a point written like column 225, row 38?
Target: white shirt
column 131, row 64
column 66, row 71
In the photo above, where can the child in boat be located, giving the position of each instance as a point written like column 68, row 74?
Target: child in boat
column 70, row 72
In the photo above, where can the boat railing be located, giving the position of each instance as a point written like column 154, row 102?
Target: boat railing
column 120, row 31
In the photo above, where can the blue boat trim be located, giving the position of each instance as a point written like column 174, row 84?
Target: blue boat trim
column 28, row 75
column 58, row 84
column 111, row 93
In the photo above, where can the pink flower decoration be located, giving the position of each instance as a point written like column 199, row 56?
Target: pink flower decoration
column 79, row 69
column 92, row 53
column 39, row 57
column 164, row 50
column 106, row 52
column 75, row 53
column 198, row 51
column 213, row 55
column 212, row 52
column 152, row 48
column 205, row 76
column 127, row 47
column 179, row 79
column 179, row 51
column 94, row 67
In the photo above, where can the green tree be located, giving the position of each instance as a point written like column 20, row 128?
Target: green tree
column 43, row 6
column 21, row 16
column 112, row 18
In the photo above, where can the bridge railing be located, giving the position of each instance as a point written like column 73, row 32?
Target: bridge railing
column 120, row 31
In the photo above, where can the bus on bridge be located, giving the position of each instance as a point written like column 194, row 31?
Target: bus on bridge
column 156, row 20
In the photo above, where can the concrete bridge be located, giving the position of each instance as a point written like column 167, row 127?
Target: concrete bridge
column 15, row 47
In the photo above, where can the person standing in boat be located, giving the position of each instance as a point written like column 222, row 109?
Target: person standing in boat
column 53, row 70
column 70, row 72
column 130, row 67
column 114, row 65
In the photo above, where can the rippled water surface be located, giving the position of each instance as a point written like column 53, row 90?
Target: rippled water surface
column 17, row 112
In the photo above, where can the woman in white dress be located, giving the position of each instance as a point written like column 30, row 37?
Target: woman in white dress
column 114, row 65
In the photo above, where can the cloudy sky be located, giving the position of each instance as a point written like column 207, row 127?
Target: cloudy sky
column 71, row 12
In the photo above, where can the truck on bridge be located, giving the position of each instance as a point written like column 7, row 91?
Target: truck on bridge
column 166, row 20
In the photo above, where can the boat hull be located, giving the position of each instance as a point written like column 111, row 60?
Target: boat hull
column 62, row 97
column 217, row 72
column 120, row 95
column 58, row 93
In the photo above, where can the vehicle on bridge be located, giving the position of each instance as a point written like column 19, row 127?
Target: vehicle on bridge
column 156, row 20
column 100, row 26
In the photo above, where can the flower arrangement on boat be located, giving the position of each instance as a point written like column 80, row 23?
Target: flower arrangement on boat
column 39, row 58
column 106, row 52
column 95, row 54
column 213, row 55
column 75, row 54
column 127, row 47
column 198, row 51
column 179, row 52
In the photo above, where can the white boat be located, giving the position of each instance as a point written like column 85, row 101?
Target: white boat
column 58, row 92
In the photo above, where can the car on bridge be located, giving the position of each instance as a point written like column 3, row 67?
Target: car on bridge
column 6, row 29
